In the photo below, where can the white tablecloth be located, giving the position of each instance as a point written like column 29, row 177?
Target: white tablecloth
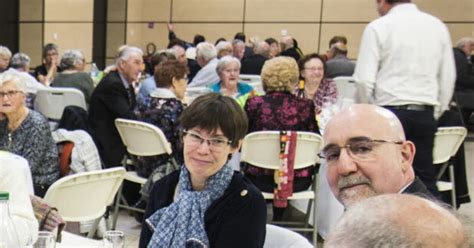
column 70, row 240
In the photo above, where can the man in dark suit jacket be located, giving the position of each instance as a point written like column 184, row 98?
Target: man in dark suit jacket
column 253, row 65
column 370, row 157
column 114, row 98
column 339, row 65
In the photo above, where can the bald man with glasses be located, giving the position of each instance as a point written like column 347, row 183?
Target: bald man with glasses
column 367, row 155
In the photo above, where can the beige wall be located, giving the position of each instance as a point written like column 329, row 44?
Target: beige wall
column 138, row 22
column 311, row 22
column 67, row 23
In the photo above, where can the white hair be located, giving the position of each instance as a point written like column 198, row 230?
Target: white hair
column 225, row 61
column 222, row 45
column 5, row 52
column 20, row 60
column 207, row 51
column 71, row 59
column 11, row 77
column 126, row 51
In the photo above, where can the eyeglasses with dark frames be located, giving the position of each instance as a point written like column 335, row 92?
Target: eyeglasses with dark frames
column 359, row 148
column 193, row 139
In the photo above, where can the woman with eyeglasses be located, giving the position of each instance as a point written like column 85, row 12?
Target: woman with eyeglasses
column 26, row 132
column 279, row 110
column 163, row 110
column 317, row 87
column 206, row 203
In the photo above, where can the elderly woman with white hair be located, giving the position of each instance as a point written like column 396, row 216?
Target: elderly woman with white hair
column 228, row 69
column 26, row 133
column 73, row 75
column 5, row 56
column 224, row 48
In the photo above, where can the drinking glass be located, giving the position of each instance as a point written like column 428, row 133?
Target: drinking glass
column 45, row 240
column 114, row 239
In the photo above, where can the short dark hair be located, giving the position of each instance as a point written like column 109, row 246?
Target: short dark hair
column 270, row 41
column 239, row 36
column 198, row 39
column 160, row 57
column 49, row 47
column 337, row 39
column 167, row 70
column 303, row 60
column 176, row 42
column 213, row 111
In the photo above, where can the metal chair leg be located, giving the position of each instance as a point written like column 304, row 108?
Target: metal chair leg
column 453, row 190
column 116, row 207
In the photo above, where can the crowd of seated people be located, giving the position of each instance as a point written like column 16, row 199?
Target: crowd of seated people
column 160, row 99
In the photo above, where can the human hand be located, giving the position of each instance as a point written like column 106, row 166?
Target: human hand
column 170, row 27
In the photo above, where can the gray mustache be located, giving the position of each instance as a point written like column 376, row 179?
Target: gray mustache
column 352, row 180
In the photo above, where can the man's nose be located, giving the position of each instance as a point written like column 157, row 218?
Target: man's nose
column 345, row 164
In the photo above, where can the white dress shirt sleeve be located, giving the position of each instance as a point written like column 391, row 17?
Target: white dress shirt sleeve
column 367, row 66
column 446, row 75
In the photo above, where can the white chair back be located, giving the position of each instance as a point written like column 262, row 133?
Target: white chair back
column 246, row 78
column 447, row 142
column 262, row 149
column 194, row 92
column 141, row 138
column 281, row 237
column 52, row 101
column 346, row 88
column 85, row 196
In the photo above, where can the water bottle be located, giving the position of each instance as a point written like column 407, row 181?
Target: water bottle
column 8, row 235
column 94, row 71
column 94, row 74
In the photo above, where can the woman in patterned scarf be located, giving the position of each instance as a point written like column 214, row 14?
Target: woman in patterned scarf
column 206, row 203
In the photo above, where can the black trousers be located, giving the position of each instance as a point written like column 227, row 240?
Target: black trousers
column 420, row 128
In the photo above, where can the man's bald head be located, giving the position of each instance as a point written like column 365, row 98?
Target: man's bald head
column 366, row 153
column 373, row 117
column 397, row 220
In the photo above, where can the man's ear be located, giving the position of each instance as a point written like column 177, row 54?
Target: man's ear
column 408, row 151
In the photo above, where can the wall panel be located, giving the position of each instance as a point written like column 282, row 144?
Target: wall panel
column 70, row 36
column 31, row 10
column 283, row 11
column 459, row 10
column 305, row 34
column 149, row 10
column 31, row 37
column 353, row 32
column 208, row 10
column 139, row 34
column 349, row 11
column 212, row 31
column 69, row 10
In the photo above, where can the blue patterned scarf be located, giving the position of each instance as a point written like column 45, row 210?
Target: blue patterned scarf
column 183, row 220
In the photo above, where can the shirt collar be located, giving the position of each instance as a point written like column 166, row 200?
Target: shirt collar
column 125, row 83
column 163, row 93
column 403, row 7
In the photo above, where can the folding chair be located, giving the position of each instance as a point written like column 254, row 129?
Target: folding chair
column 446, row 144
column 85, row 196
column 262, row 149
column 52, row 101
column 346, row 88
column 250, row 78
column 141, row 139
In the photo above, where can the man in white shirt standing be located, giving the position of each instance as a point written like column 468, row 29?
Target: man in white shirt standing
column 406, row 64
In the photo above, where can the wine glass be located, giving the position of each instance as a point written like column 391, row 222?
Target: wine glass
column 114, row 239
column 45, row 240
